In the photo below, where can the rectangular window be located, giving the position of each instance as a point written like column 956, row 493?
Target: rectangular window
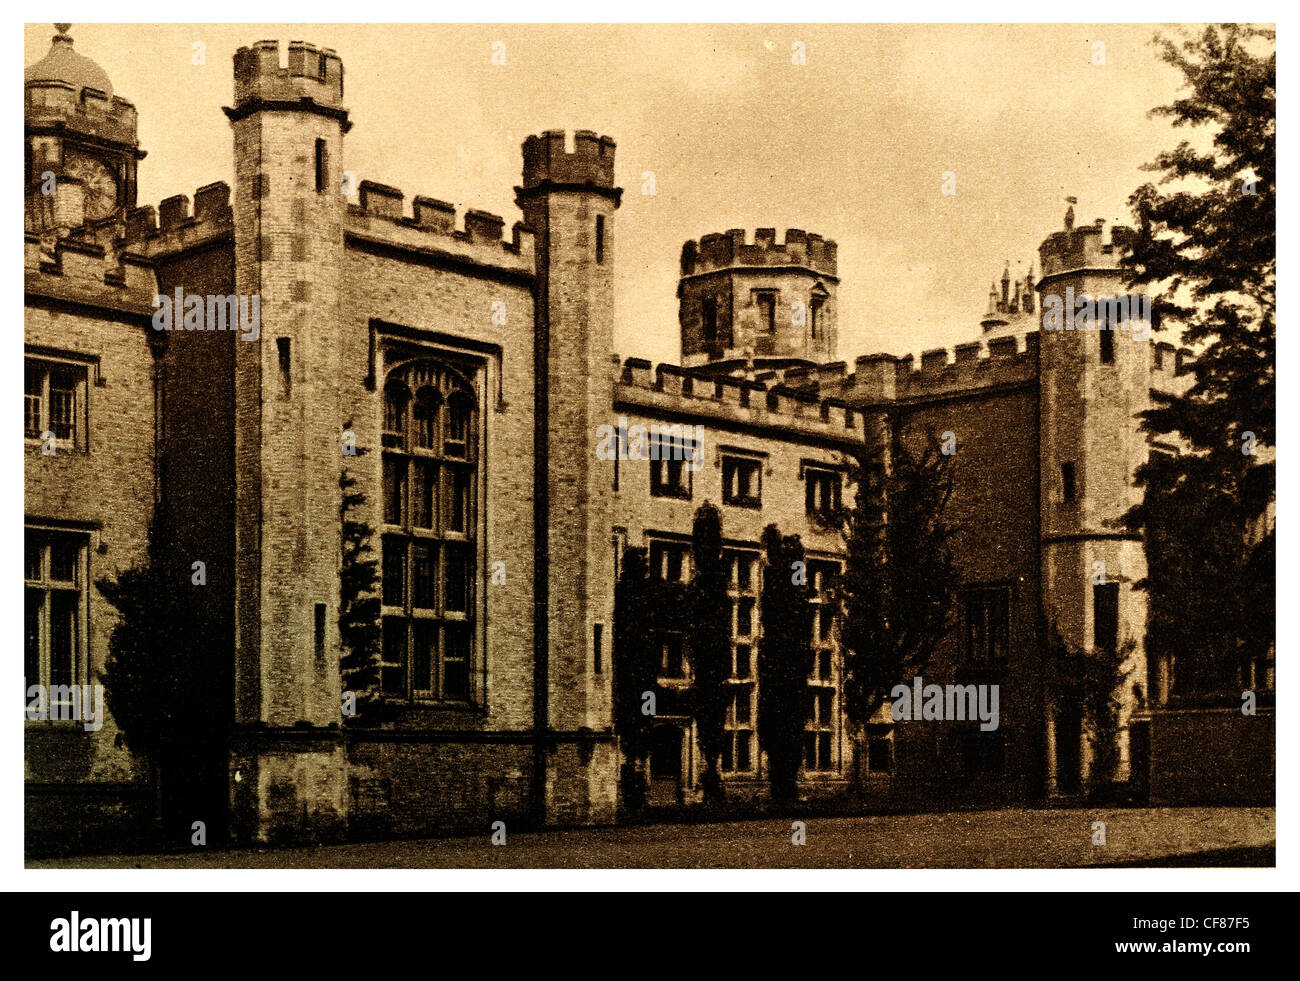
column 600, row 238
column 54, row 400
column 55, row 579
column 1067, row 482
column 672, row 662
column 814, row 317
column 820, row 728
column 394, row 489
column 745, row 616
column 282, row 349
column 742, row 481
column 670, row 475
column 738, row 742
column 320, row 628
column 597, row 632
column 766, row 304
column 821, row 493
column 880, row 748
column 669, row 561
column 620, row 447
column 988, row 625
column 1105, row 617
column 1107, row 344
column 739, row 746
column 322, row 166
column 709, row 319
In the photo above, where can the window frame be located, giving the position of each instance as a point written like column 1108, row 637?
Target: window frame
column 821, row 728
column 437, row 605
column 663, row 467
column 78, row 672
column 984, row 591
column 738, row 731
column 761, row 297
column 730, row 462
column 46, row 367
column 813, row 474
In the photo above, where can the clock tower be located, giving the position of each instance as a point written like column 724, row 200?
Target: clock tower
column 80, row 146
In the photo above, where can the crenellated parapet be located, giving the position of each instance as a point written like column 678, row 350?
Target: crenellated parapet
column 738, row 401
column 380, row 217
column 729, row 250
column 973, row 367
column 547, row 161
column 1083, row 248
column 174, row 226
column 314, row 74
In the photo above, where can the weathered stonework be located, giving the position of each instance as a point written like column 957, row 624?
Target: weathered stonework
column 246, row 439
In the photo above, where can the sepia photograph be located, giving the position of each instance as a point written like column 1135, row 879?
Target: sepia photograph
column 648, row 446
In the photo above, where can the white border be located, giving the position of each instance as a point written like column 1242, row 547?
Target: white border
column 875, row 880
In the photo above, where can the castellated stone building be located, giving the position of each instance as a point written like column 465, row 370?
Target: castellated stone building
column 474, row 366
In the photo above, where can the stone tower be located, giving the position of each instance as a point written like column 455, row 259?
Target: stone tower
column 568, row 198
column 739, row 302
column 288, row 769
column 1095, row 366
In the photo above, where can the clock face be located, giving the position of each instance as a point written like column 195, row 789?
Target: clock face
column 99, row 182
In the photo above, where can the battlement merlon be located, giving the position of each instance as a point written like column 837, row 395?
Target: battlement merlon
column 548, row 165
column 313, row 80
column 380, row 218
column 1082, row 248
column 174, row 226
column 730, row 250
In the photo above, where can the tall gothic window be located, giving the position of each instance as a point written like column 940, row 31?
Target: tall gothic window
column 431, row 446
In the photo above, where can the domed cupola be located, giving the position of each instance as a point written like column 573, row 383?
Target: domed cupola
column 63, row 64
column 82, row 148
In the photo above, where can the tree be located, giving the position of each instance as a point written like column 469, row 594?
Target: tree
column 635, row 670
column 1206, row 238
column 1094, row 683
column 360, row 630
column 165, row 681
column 784, row 661
column 710, row 633
column 898, row 594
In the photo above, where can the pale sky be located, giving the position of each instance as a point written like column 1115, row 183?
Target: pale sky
column 852, row 145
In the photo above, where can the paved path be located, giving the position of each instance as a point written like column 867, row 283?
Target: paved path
column 1013, row 838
